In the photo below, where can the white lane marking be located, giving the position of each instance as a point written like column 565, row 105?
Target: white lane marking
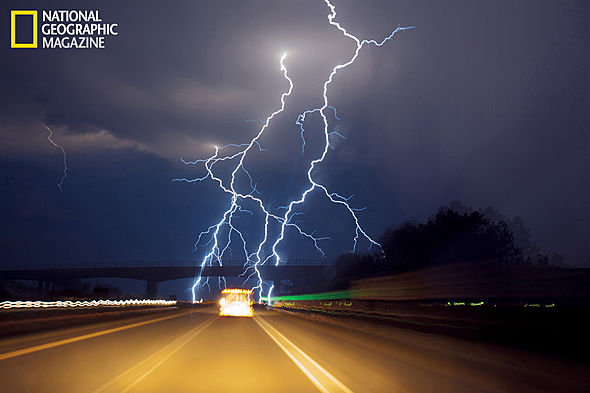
column 35, row 348
column 319, row 376
column 163, row 354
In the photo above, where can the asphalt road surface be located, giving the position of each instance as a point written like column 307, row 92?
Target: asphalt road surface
column 194, row 350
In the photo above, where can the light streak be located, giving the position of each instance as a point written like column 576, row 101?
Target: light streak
column 63, row 151
column 58, row 343
column 319, row 376
column 148, row 365
column 256, row 256
column 84, row 303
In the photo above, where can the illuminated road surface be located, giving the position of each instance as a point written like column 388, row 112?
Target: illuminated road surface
column 197, row 351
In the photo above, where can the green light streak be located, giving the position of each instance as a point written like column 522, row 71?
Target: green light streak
column 335, row 295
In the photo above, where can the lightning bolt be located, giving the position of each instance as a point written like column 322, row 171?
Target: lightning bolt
column 218, row 245
column 63, row 152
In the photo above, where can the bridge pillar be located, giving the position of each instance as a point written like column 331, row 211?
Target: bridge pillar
column 152, row 289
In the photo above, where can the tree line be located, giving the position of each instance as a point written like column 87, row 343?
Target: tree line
column 454, row 234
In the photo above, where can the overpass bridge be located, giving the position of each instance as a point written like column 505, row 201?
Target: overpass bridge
column 155, row 272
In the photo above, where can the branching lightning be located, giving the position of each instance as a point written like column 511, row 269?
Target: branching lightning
column 63, row 152
column 256, row 256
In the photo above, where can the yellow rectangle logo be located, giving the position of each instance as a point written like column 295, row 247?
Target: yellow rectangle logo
column 13, row 43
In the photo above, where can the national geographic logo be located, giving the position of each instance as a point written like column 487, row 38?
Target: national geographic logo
column 23, row 32
column 60, row 29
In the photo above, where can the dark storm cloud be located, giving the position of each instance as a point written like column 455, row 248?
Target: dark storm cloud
column 484, row 102
column 194, row 69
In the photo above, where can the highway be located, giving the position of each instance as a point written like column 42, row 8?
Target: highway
column 194, row 350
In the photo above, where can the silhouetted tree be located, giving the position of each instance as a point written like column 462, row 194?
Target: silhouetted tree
column 450, row 237
column 520, row 233
column 454, row 234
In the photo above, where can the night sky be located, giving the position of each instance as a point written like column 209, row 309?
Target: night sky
column 486, row 103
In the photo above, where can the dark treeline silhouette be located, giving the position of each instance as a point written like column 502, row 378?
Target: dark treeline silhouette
column 449, row 237
column 455, row 234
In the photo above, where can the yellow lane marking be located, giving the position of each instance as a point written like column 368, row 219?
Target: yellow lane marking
column 163, row 354
column 24, row 351
column 321, row 378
